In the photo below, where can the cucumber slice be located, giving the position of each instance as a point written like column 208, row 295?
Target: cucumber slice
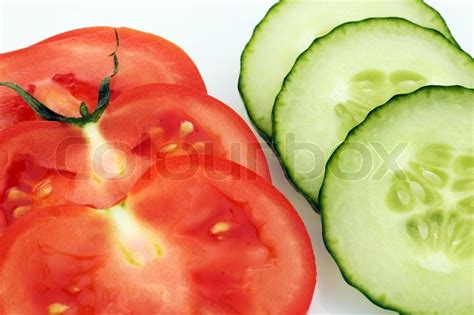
column 290, row 27
column 345, row 74
column 403, row 232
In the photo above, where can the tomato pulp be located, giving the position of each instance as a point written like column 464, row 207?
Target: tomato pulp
column 195, row 235
column 98, row 164
column 66, row 69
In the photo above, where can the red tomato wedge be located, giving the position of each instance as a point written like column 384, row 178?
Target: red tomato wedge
column 67, row 69
column 46, row 163
column 196, row 235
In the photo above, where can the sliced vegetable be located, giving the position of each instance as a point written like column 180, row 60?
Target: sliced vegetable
column 65, row 70
column 345, row 74
column 97, row 164
column 291, row 26
column 182, row 121
column 196, row 235
column 402, row 232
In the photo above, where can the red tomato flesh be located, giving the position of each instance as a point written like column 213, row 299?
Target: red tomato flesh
column 195, row 235
column 169, row 116
column 142, row 125
column 67, row 69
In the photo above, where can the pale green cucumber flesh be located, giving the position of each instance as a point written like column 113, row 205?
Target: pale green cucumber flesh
column 291, row 26
column 403, row 232
column 347, row 73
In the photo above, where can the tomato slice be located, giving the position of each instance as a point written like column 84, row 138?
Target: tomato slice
column 172, row 120
column 67, row 69
column 98, row 164
column 196, row 235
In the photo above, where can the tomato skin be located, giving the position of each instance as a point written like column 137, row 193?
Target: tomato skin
column 74, row 63
column 72, row 255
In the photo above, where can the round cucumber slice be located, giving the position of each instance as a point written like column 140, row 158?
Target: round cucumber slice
column 290, row 27
column 345, row 74
column 403, row 232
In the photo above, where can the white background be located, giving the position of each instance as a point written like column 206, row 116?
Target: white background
column 214, row 34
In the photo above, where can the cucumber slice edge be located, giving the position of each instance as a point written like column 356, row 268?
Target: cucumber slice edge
column 444, row 30
column 240, row 82
column 348, row 277
column 275, row 142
